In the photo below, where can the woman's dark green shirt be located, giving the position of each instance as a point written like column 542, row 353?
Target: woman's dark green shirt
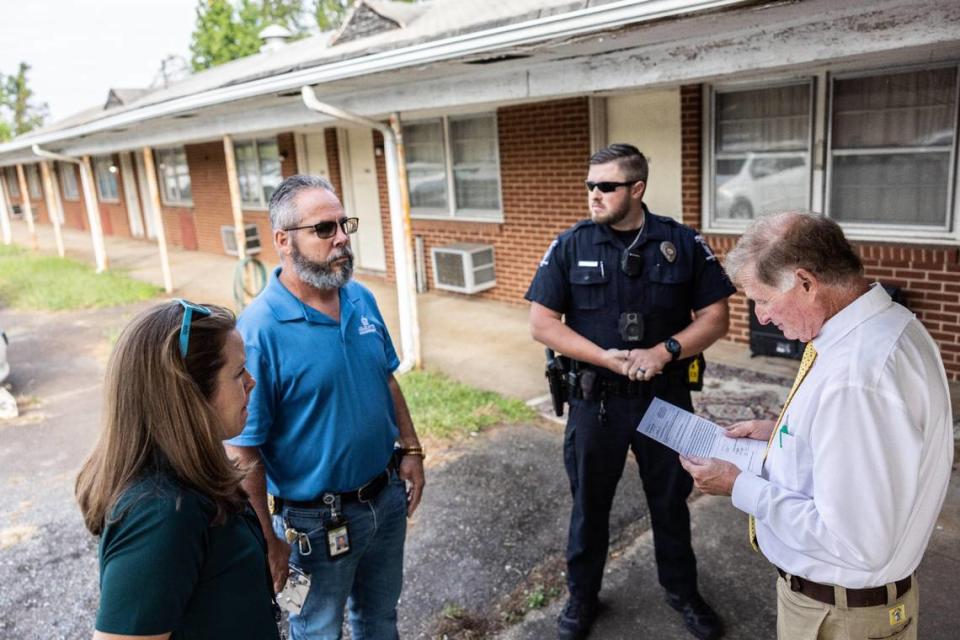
column 164, row 568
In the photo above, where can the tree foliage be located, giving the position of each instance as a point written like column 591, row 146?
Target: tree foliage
column 228, row 29
column 330, row 13
column 20, row 112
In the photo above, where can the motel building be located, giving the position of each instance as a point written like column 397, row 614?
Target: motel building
column 743, row 107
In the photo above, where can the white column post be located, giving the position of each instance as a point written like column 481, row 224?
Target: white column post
column 27, row 207
column 5, row 211
column 93, row 214
column 154, row 195
column 53, row 206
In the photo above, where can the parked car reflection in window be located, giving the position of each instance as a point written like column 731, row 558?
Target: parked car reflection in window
column 761, row 183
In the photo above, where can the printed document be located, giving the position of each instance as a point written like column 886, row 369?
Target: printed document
column 691, row 435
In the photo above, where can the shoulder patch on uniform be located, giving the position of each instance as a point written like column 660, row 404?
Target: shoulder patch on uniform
column 545, row 260
column 706, row 248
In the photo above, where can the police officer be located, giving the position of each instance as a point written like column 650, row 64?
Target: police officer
column 629, row 298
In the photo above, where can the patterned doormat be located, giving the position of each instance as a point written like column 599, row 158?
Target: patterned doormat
column 730, row 394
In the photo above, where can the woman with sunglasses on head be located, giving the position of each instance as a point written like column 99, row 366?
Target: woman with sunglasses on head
column 181, row 552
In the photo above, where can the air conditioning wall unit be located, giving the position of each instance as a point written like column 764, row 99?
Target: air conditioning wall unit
column 463, row 267
column 229, row 239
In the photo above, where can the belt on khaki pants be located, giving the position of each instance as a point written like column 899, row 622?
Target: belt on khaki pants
column 869, row 597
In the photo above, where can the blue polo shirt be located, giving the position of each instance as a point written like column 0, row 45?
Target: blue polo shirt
column 321, row 412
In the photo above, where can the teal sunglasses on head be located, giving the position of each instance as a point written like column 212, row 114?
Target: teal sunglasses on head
column 188, row 310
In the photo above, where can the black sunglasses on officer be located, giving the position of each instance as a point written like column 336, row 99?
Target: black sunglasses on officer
column 609, row 187
column 328, row 228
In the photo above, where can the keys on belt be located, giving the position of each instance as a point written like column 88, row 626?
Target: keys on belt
column 366, row 493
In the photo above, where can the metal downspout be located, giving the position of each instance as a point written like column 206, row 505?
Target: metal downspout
column 399, row 228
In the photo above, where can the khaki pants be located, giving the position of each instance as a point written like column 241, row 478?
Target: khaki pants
column 802, row 618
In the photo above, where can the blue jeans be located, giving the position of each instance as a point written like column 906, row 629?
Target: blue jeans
column 368, row 579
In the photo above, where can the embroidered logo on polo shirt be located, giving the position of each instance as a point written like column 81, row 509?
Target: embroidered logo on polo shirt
column 366, row 327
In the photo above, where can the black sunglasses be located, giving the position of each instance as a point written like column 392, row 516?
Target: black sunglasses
column 328, row 228
column 609, row 187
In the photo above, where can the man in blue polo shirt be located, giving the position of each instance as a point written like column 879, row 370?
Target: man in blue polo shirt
column 323, row 424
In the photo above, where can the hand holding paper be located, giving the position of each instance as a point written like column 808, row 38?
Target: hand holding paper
column 696, row 437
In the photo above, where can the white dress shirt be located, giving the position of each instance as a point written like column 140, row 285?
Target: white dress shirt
column 859, row 466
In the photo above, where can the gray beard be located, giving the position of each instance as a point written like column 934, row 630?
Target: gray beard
column 322, row 275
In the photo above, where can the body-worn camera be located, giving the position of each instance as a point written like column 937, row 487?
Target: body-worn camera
column 631, row 263
column 631, row 326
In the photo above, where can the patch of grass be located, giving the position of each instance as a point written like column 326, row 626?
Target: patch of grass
column 452, row 611
column 457, row 623
column 543, row 584
column 30, row 281
column 444, row 408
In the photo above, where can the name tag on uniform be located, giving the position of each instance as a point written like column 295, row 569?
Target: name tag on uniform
column 588, row 263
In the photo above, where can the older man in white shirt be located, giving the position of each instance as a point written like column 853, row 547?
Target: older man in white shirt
column 859, row 460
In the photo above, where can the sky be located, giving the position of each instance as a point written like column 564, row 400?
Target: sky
column 80, row 49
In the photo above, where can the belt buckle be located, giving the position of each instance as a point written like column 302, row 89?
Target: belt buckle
column 362, row 491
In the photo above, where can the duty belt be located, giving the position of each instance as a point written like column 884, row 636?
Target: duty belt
column 621, row 386
column 871, row 597
column 366, row 493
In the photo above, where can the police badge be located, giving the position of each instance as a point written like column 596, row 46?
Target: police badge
column 668, row 250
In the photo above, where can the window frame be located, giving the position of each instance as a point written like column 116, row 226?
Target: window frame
column 164, row 196
column 708, row 188
column 892, row 229
column 453, row 212
column 32, row 174
column 64, row 169
column 98, row 162
column 13, row 182
column 821, row 161
column 262, row 203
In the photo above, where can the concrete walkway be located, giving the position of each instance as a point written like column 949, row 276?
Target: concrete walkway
column 483, row 343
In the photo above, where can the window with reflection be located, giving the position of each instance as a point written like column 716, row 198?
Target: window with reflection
column 258, row 171
column 761, row 150
column 453, row 167
column 892, row 145
column 174, row 173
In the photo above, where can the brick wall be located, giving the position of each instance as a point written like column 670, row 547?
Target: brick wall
column 74, row 213
column 113, row 214
column 333, row 159
column 211, row 201
column 543, row 158
column 691, row 97
column 380, row 159
column 928, row 274
column 38, row 205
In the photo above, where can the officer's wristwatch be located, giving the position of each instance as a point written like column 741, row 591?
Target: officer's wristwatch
column 673, row 348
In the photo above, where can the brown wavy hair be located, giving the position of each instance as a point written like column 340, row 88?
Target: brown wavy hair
column 157, row 415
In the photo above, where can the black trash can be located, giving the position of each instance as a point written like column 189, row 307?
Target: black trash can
column 767, row 340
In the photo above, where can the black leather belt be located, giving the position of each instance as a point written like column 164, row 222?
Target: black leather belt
column 366, row 493
column 871, row 597
column 623, row 387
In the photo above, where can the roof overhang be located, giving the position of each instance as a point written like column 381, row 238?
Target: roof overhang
column 588, row 52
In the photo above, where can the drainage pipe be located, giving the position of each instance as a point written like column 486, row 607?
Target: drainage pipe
column 399, row 225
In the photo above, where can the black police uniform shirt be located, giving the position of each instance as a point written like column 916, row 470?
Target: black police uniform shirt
column 580, row 276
